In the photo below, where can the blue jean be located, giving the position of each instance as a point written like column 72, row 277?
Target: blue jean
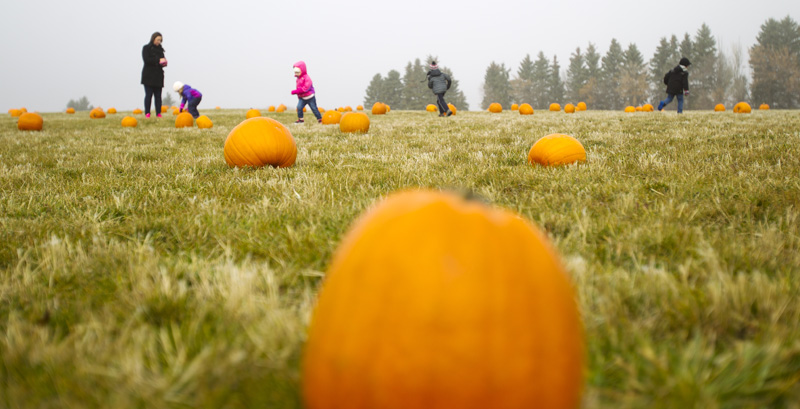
column 191, row 106
column 443, row 108
column 152, row 93
column 312, row 103
column 670, row 98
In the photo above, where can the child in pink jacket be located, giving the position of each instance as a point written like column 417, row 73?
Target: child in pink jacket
column 304, row 92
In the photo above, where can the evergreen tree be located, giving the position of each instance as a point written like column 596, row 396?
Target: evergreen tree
column 373, row 92
column 454, row 95
column 555, row 87
column 416, row 94
column 665, row 58
column 168, row 101
column 590, row 92
column 723, row 80
column 739, row 90
column 687, row 47
column 611, row 75
column 540, row 82
column 775, row 64
column 633, row 77
column 522, row 85
column 81, row 104
column 496, row 86
column 577, row 76
column 703, row 74
column 392, row 89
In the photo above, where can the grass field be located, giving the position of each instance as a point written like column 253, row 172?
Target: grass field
column 138, row 270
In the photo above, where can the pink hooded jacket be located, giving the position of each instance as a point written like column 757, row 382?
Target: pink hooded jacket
column 305, row 88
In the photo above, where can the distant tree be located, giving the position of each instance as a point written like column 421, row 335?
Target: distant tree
column 81, row 104
column 703, row 76
column 633, row 87
column 540, row 97
column 577, row 76
column 392, row 89
column 687, row 47
column 168, row 100
column 739, row 88
column 555, row 86
column 496, row 86
column 775, row 64
column 522, row 86
column 665, row 58
column 373, row 92
column 416, row 94
column 721, row 85
column 611, row 75
column 454, row 95
column 590, row 91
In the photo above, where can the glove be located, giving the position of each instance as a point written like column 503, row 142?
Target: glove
column 294, row 92
column 181, row 110
column 686, row 93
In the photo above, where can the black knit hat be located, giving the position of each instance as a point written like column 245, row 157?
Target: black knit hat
column 685, row 62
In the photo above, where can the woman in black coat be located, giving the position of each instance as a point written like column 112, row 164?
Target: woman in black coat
column 153, row 72
column 677, row 82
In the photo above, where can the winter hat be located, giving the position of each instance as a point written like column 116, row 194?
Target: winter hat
column 433, row 65
column 685, row 62
column 177, row 86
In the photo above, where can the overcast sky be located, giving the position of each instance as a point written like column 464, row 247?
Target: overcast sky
column 239, row 54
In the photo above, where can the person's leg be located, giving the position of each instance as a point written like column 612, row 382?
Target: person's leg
column 301, row 103
column 664, row 103
column 157, row 95
column 440, row 104
column 148, row 94
column 444, row 105
column 312, row 103
column 193, row 107
column 680, row 103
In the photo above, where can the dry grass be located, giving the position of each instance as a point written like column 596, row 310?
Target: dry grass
column 137, row 270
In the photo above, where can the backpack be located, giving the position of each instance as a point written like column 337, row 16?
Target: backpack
column 666, row 77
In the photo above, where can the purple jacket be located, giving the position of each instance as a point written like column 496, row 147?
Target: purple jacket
column 189, row 94
column 305, row 87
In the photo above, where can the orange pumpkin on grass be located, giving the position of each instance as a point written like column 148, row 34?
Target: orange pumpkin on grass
column 129, row 122
column 354, row 122
column 30, row 121
column 556, row 149
column 526, row 109
column 184, row 120
column 258, row 142
column 495, row 108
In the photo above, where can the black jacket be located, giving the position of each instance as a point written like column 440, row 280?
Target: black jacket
column 152, row 72
column 438, row 81
column 677, row 81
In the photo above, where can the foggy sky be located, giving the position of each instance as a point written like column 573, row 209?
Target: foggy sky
column 239, row 54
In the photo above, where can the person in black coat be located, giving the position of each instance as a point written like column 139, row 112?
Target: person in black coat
column 153, row 72
column 439, row 83
column 677, row 82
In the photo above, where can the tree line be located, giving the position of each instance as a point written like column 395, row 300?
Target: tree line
column 622, row 77
column 410, row 91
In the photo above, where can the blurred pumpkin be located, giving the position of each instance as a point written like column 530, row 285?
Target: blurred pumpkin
column 638, row 109
column 354, row 122
column 15, row 112
column 742, row 108
column 331, row 117
column 556, row 149
column 526, row 109
column 348, row 109
column 648, row 108
column 271, row 108
column 175, row 111
column 184, row 120
column 630, row 109
column 258, row 142
column 452, row 108
column 137, row 111
column 495, row 108
column 763, row 107
column 514, row 107
column 112, row 110
column 30, row 121
column 252, row 113
column 719, row 108
column 280, row 108
column 217, row 107
column 97, row 113
column 378, row 108
column 569, row 108
column 204, row 122
column 163, row 109
column 581, row 106
column 340, row 109
column 70, row 110
column 433, row 300
column 360, row 108
column 431, row 108
column 129, row 122
column 555, row 107
column 24, row 110
column 388, row 108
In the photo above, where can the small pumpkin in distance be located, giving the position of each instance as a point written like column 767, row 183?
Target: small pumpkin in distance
column 137, row 111
column 184, row 120
column 630, row 109
column 431, row 108
column 554, row 107
column 217, row 107
column 648, row 108
column 15, row 112
column 581, row 106
column 378, row 108
column 163, row 109
column 719, row 108
column 30, row 121
column 555, row 150
column 452, row 108
column 354, row 122
column 204, row 122
column 175, row 111
column 23, row 110
column 495, row 108
column 638, row 108
column 97, row 113
column 525, row 109
column 280, row 108
column 129, row 122
column 569, row 108
column 70, row 110
column 271, row 108
column 252, row 113
column 742, row 108
column 331, row 117
column 514, row 107
column 258, row 142
column 763, row 107
column 360, row 108
column 112, row 110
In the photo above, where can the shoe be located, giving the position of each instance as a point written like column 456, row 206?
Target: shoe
column 441, row 115
column 147, row 115
column 449, row 113
column 299, row 121
column 319, row 121
column 158, row 115
column 661, row 105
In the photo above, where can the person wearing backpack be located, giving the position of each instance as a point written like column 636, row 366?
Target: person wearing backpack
column 677, row 82
column 439, row 83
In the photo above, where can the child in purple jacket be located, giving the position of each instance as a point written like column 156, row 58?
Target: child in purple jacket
column 190, row 95
column 304, row 92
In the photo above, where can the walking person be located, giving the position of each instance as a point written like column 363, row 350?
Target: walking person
column 190, row 98
column 439, row 83
column 677, row 82
column 305, row 92
column 153, row 72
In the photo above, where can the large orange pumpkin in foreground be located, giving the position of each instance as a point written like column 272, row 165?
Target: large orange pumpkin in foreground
column 204, row 122
column 495, row 108
column 30, row 121
column 354, row 122
column 378, row 108
column 475, row 312
column 252, row 113
column 184, row 120
column 526, row 109
column 556, row 149
column 331, row 117
column 260, row 141
column 742, row 108
column 555, row 107
column 719, row 108
column 70, row 110
column 97, row 113
column 431, row 108
column 129, row 122
column 569, row 108
column 452, row 108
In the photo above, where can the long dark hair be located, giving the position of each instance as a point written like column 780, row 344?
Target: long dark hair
column 153, row 37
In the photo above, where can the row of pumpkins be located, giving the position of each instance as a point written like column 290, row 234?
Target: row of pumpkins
column 527, row 109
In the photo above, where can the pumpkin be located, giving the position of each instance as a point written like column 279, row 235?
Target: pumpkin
column 354, row 122
column 271, row 108
column 321, row 110
column 514, row 107
column 252, row 113
column 495, row 108
column 630, row 109
column 475, row 312
column 525, row 109
column 70, row 110
column 742, row 108
column 648, row 108
column 15, row 112
column 555, row 107
column 763, row 107
column 163, row 109
column 23, row 110
column 331, row 117
column 217, row 108
column 204, row 122
column 719, row 108
column 638, row 109
column 388, row 108
column 280, row 108
column 340, row 109
column 137, row 111
column 569, row 108
column 97, row 113
column 129, row 122
column 452, row 108
column 556, row 149
column 260, row 141
column 304, row 109
column 184, row 120
column 112, row 110
column 348, row 109
column 30, row 121
column 581, row 106
column 431, row 108
column 378, row 108
column 175, row 111
column 360, row 108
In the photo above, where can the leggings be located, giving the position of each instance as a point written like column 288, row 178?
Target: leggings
column 150, row 92
column 442, row 105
